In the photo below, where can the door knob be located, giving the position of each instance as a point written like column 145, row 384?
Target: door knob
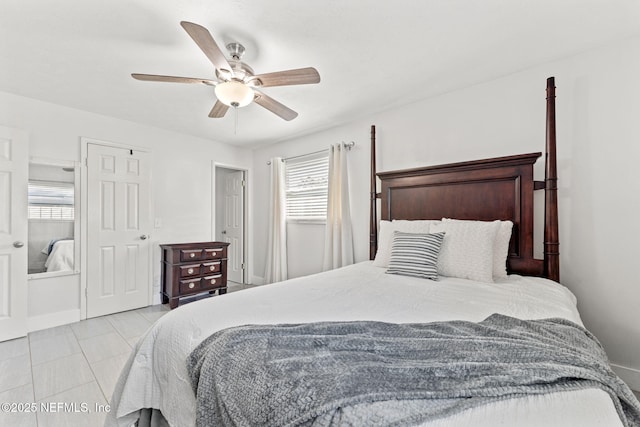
column 224, row 232
column 144, row 237
column 18, row 244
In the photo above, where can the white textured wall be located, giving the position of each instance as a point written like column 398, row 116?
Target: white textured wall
column 598, row 125
column 181, row 177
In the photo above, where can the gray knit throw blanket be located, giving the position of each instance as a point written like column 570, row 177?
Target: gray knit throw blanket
column 374, row 373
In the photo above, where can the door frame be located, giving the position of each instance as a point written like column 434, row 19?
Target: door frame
column 245, row 214
column 84, row 207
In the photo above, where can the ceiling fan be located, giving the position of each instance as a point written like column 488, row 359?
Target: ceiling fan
column 237, row 85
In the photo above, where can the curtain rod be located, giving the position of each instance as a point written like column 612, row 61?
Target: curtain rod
column 349, row 145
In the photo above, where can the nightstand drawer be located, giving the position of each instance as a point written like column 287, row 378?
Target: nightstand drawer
column 213, row 282
column 189, row 270
column 188, row 286
column 212, row 267
column 190, row 255
column 215, row 253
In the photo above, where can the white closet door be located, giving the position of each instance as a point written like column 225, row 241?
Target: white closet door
column 118, row 224
column 14, row 172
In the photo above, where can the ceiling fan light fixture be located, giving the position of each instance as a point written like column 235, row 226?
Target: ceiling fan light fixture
column 234, row 94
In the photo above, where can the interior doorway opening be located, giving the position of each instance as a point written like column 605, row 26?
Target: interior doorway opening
column 230, row 223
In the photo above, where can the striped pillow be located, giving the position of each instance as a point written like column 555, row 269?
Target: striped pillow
column 415, row 254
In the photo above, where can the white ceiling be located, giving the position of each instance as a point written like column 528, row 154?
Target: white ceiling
column 371, row 55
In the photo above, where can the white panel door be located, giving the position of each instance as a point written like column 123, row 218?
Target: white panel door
column 233, row 225
column 14, row 171
column 118, row 224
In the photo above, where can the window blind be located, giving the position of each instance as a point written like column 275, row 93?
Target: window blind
column 51, row 200
column 306, row 181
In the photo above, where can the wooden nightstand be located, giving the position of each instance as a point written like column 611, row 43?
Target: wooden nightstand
column 193, row 268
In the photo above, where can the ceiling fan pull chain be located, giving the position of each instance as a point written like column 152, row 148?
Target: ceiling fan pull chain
column 235, row 126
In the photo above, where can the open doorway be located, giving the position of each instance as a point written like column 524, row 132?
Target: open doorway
column 230, row 218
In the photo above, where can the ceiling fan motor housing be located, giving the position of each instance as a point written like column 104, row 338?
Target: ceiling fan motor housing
column 240, row 72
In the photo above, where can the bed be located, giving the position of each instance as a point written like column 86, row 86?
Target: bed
column 60, row 255
column 155, row 384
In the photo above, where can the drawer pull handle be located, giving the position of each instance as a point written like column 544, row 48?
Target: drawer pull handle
column 213, row 281
column 190, row 271
column 212, row 268
column 192, row 285
column 192, row 255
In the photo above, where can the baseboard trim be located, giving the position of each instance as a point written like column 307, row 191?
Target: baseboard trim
column 630, row 376
column 51, row 320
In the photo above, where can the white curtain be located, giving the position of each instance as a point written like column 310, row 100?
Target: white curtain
column 338, row 242
column 276, row 269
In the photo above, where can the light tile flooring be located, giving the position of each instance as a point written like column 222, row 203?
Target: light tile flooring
column 72, row 365
column 76, row 365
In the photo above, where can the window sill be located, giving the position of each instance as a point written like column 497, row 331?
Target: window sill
column 48, row 274
column 307, row 221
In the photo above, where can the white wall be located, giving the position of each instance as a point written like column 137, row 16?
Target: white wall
column 181, row 178
column 598, row 111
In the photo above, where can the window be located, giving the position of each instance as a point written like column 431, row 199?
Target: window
column 51, row 200
column 306, row 182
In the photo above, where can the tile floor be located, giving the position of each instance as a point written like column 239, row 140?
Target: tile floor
column 72, row 365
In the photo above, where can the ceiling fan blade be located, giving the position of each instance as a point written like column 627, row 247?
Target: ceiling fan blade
column 171, row 79
column 274, row 106
column 219, row 110
column 207, row 44
column 300, row 76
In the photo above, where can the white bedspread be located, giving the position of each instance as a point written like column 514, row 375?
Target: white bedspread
column 156, row 377
column 61, row 256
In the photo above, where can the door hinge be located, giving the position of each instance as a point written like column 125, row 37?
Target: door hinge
column 242, row 266
column 86, row 161
column 86, row 292
column 244, row 183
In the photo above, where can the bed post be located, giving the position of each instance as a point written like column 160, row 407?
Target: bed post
column 373, row 221
column 551, row 238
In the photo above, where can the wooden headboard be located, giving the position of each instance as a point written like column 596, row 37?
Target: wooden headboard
column 489, row 189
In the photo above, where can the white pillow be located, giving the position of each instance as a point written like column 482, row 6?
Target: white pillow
column 415, row 224
column 467, row 249
column 501, row 249
column 385, row 236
